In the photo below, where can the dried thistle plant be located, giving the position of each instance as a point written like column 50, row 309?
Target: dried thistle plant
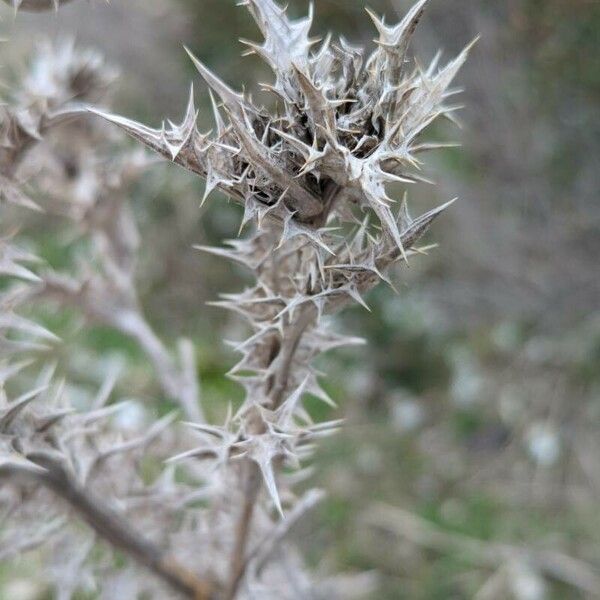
column 311, row 174
column 344, row 125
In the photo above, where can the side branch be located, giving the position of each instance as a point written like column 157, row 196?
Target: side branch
column 111, row 526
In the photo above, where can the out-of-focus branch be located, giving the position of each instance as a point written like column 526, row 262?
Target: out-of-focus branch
column 110, row 525
column 257, row 559
column 103, row 303
column 81, row 182
column 21, row 544
column 260, row 555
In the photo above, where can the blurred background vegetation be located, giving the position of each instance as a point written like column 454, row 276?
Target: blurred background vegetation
column 476, row 404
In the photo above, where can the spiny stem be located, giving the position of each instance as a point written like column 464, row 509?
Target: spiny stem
column 286, row 354
column 114, row 528
column 238, row 560
column 253, row 476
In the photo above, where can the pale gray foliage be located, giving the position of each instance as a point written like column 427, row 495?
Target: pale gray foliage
column 309, row 173
column 86, row 181
column 48, row 447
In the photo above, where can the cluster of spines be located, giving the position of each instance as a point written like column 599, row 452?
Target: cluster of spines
column 344, row 126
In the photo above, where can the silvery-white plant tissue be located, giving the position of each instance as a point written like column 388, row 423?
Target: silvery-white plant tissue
column 320, row 228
